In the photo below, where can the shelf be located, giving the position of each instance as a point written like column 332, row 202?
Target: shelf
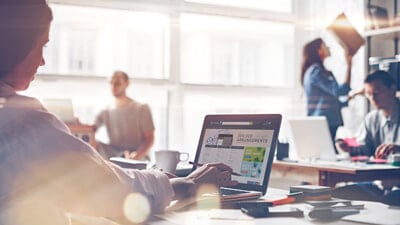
column 384, row 33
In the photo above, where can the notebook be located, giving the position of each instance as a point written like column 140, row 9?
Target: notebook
column 311, row 139
column 244, row 142
column 347, row 36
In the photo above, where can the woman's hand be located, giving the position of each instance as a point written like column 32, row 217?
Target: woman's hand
column 354, row 94
column 217, row 174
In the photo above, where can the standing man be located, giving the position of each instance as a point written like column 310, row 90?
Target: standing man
column 129, row 123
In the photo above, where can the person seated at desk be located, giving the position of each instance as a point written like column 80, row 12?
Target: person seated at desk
column 378, row 136
column 129, row 123
column 47, row 173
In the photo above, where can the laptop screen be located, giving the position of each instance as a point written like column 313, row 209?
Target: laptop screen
column 303, row 133
column 246, row 143
column 60, row 107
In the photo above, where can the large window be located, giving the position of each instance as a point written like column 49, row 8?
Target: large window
column 233, row 51
column 273, row 5
column 186, row 59
column 93, row 41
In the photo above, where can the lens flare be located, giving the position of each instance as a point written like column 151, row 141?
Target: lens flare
column 207, row 197
column 136, row 208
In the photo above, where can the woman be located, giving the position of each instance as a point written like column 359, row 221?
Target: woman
column 47, row 173
column 321, row 88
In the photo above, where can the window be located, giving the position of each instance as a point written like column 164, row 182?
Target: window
column 94, row 41
column 272, row 5
column 175, row 51
column 232, row 51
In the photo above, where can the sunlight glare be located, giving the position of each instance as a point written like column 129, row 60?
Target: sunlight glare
column 136, row 208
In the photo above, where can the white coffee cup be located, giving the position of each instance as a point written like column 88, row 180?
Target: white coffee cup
column 167, row 160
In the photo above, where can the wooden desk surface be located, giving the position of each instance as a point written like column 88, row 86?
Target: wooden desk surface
column 84, row 132
column 331, row 173
column 373, row 211
column 340, row 167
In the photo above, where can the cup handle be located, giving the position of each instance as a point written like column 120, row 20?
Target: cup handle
column 186, row 158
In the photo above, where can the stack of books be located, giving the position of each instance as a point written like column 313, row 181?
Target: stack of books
column 313, row 192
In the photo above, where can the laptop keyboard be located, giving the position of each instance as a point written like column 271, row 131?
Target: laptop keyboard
column 225, row 191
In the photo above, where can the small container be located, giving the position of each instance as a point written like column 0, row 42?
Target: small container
column 396, row 159
column 282, row 150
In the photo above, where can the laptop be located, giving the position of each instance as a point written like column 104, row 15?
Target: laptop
column 311, row 139
column 60, row 107
column 246, row 143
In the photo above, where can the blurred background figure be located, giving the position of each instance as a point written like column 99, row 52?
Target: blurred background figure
column 378, row 135
column 325, row 97
column 129, row 123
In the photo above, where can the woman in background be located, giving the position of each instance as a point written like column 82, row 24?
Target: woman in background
column 321, row 88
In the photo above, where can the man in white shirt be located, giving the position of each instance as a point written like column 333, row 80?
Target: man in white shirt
column 379, row 136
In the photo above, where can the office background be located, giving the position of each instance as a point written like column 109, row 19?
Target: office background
column 189, row 58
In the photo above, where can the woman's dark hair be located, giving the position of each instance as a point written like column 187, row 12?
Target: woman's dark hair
column 310, row 56
column 381, row 75
column 22, row 22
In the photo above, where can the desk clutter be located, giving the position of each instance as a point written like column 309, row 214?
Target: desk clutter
column 317, row 199
column 312, row 192
column 333, row 209
column 333, row 212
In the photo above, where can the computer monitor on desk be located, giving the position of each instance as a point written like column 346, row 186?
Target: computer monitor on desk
column 311, row 139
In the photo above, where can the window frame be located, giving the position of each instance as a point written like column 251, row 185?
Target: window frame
column 173, row 85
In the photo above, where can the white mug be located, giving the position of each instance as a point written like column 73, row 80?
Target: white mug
column 167, row 160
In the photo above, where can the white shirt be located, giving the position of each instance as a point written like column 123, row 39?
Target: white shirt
column 126, row 125
column 41, row 163
column 378, row 129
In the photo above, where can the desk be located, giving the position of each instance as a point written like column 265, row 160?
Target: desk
column 331, row 173
column 208, row 216
column 83, row 132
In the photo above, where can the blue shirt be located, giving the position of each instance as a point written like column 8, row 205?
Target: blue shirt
column 323, row 92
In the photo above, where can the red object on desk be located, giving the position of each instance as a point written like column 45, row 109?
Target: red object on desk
column 290, row 198
column 377, row 161
column 283, row 201
column 352, row 142
column 360, row 158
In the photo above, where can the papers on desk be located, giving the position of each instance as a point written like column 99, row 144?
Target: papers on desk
column 224, row 216
column 376, row 213
column 90, row 220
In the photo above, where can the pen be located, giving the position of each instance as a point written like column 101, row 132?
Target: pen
column 199, row 164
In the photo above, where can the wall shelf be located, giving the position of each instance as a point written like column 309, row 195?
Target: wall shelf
column 384, row 33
